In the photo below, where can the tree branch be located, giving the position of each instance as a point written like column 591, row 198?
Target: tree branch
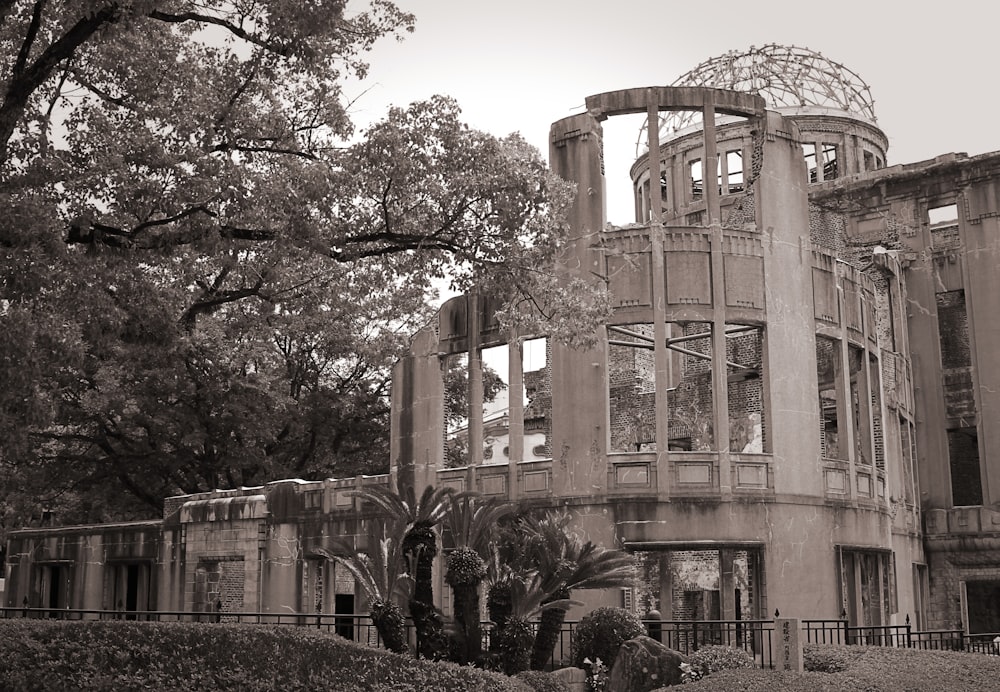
column 29, row 39
column 274, row 47
column 23, row 85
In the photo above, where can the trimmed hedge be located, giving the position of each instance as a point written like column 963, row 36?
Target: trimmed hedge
column 865, row 669
column 122, row 655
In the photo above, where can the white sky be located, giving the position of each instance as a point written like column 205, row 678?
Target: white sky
column 520, row 65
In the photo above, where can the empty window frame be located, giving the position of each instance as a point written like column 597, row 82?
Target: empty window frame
column 828, row 369
column 745, row 388
column 691, row 410
column 878, row 439
column 734, row 171
column 953, row 330
column 963, row 457
column 536, row 383
column 696, row 177
column 943, row 223
column 867, row 588
column 831, row 163
column 495, row 364
column 861, row 406
column 809, row 153
column 632, row 388
column 456, row 410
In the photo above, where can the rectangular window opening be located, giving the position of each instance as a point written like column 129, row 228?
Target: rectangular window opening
column 697, row 179
column 691, row 410
column 536, row 382
column 745, row 378
column 831, row 165
column 963, row 455
column 632, row 388
column 734, row 171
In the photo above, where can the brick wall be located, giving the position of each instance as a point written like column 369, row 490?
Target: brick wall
column 946, row 572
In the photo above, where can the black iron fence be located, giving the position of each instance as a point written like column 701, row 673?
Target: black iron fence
column 902, row 636
column 756, row 637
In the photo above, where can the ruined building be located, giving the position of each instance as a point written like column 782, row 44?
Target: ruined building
column 786, row 411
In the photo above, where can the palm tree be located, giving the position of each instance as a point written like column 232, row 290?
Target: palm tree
column 566, row 562
column 470, row 526
column 419, row 517
column 380, row 573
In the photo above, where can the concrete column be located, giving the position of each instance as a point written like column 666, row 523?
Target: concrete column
column 515, row 413
column 660, row 356
column 417, row 418
column 475, row 389
column 727, row 584
column 579, row 380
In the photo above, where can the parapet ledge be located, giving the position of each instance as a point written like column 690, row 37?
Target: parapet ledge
column 959, row 521
column 232, row 508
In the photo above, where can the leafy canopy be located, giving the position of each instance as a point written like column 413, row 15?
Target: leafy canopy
column 205, row 272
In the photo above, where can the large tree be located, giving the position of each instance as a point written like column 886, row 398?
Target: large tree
column 205, row 272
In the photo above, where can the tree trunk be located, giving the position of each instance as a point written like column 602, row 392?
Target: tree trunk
column 391, row 625
column 467, row 616
column 431, row 642
column 548, row 634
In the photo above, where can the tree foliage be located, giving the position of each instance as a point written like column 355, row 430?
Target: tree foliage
column 205, row 272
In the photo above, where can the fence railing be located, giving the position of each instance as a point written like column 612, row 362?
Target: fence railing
column 686, row 636
column 902, row 636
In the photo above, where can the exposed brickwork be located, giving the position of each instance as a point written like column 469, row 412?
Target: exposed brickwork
column 947, row 570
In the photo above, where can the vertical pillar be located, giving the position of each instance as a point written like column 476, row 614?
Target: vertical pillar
column 515, row 413
column 666, row 587
column 579, row 380
column 727, row 584
column 475, row 389
column 660, row 356
column 720, row 384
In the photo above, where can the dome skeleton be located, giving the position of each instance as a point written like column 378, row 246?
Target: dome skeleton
column 787, row 77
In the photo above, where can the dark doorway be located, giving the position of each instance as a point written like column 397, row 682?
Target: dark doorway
column 983, row 606
column 131, row 589
column 343, row 607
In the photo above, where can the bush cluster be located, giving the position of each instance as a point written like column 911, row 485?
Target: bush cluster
column 540, row 681
column 832, row 668
column 602, row 632
column 712, row 659
column 53, row 655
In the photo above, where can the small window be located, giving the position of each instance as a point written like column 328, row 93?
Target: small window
column 869, row 160
column 830, row 163
column 809, row 152
column 697, row 179
column 734, row 170
column 943, row 216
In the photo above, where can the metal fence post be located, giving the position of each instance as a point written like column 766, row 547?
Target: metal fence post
column 654, row 625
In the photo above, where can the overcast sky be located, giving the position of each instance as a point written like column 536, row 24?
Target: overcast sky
column 519, row 65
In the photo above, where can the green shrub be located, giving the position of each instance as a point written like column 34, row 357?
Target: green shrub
column 122, row 655
column 864, row 669
column 602, row 632
column 712, row 659
column 540, row 681
column 828, row 659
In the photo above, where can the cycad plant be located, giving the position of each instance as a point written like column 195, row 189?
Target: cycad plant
column 380, row 572
column 419, row 518
column 565, row 562
column 470, row 523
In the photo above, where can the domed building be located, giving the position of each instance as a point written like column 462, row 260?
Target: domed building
column 744, row 421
